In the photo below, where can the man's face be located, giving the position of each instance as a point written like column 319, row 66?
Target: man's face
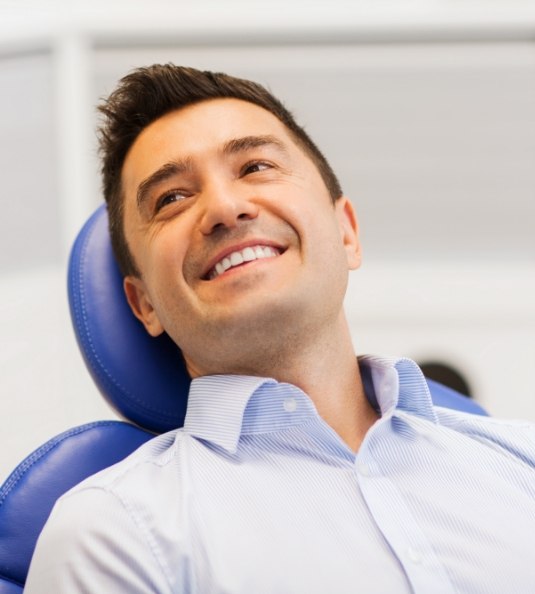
column 235, row 235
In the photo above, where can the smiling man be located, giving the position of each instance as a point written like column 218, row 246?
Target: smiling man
column 243, row 253
column 299, row 468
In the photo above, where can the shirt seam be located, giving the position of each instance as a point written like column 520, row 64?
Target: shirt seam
column 110, row 488
column 146, row 534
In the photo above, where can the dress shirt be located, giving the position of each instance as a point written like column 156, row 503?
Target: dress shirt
column 257, row 494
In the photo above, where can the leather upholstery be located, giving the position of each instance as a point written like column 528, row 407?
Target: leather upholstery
column 143, row 378
column 29, row 493
column 448, row 398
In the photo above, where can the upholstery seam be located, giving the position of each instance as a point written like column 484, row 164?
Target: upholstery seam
column 20, row 471
column 96, row 362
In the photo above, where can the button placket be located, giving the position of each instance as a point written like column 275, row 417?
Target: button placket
column 414, row 555
column 363, row 469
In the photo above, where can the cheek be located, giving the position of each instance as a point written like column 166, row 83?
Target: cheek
column 328, row 248
column 166, row 245
column 169, row 248
column 319, row 226
column 162, row 269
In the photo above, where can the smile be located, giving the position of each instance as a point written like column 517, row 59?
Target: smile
column 239, row 257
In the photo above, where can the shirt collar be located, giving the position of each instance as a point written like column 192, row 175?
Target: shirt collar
column 396, row 384
column 222, row 408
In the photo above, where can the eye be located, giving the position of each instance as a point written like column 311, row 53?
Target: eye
column 255, row 167
column 170, row 197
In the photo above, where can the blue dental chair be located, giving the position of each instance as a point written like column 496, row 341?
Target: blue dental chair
column 143, row 378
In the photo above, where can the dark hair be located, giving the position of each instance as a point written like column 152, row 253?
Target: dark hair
column 149, row 93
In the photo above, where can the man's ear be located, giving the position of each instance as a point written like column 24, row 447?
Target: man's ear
column 140, row 303
column 349, row 230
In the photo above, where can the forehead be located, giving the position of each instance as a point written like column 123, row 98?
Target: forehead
column 198, row 130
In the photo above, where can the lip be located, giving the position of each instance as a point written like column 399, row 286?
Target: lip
column 236, row 247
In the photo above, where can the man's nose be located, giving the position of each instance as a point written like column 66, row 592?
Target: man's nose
column 225, row 207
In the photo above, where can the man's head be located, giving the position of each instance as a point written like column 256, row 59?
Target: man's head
column 147, row 94
column 240, row 237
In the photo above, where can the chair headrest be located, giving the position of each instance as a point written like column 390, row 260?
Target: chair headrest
column 143, row 378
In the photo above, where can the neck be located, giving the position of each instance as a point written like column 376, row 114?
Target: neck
column 325, row 368
column 329, row 374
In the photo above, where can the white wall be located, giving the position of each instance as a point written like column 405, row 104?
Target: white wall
column 427, row 114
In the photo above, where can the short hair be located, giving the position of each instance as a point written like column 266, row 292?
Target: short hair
column 148, row 93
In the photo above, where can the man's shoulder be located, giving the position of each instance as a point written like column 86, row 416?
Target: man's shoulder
column 121, row 517
column 149, row 464
column 469, row 421
column 514, row 436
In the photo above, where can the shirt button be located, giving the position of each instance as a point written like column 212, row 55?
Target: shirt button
column 363, row 469
column 414, row 555
column 290, row 404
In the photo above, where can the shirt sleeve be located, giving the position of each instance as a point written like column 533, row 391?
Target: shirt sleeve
column 92, row 544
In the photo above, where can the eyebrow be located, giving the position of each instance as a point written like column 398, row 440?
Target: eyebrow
column 162, row 174
column 245, row 143
column 231, row 147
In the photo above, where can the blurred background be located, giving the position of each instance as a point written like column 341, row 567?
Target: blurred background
column 425, row 109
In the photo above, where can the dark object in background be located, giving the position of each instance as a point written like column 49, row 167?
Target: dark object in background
column 447, row 375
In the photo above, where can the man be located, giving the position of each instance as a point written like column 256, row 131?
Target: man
column 299, row 469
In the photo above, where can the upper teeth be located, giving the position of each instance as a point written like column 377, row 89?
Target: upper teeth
column 248, row 254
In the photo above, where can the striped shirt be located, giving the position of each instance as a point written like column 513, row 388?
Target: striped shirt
column 257, row 494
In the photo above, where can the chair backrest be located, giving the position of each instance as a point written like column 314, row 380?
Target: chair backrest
column 29, row 493
column 143, row 378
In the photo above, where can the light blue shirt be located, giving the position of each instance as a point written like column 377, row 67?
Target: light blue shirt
column 257, row 494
